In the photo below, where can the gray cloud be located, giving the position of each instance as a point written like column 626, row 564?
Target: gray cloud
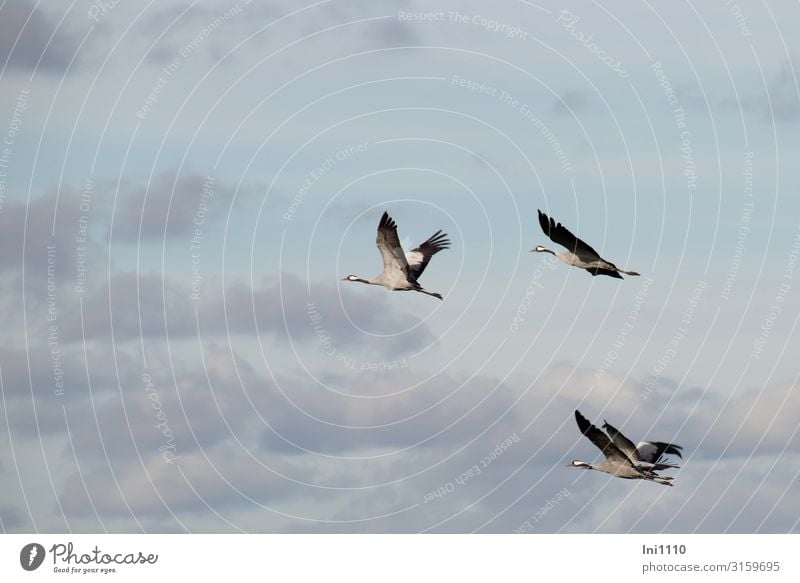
column 150, row 305
column 443, row 412
column 11, row 518
column 393, row 449
column 250, row 19
column 30, row 40
column 782, row 101
column 154, row 413
column 169, row 207
column 570, row 101
column 203, row 480
column 756, row 422
column 195, row 28
column 35, row 231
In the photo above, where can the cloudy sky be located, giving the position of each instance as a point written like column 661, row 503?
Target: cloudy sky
column 184, row 184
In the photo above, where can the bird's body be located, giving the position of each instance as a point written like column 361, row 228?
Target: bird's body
column 622, row 458
column 402, row 270
column 578, row 253
column 646, row 454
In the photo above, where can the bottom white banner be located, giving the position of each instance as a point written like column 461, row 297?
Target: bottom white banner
column 382, row 558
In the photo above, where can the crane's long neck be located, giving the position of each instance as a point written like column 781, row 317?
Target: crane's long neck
column 361, row 280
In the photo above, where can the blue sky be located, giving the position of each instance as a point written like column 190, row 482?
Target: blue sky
column 227, row 164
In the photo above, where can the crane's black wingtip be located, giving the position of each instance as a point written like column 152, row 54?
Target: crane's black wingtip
column 584, row 424
column 544, row 223
column 386, row 221
column 674, row 450
column 439, row 239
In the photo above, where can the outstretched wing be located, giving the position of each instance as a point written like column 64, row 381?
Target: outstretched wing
column 419, row 258
column 600, row 439
column 622, row 442
column 561, row 235
column 389, row 245
column 652, row 451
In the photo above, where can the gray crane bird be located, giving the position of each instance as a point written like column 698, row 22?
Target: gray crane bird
column 623, row 459
column 578, row 253
column 401, row 270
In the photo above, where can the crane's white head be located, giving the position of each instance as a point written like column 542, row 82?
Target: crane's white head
column 579, row 464
column 354, row 278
